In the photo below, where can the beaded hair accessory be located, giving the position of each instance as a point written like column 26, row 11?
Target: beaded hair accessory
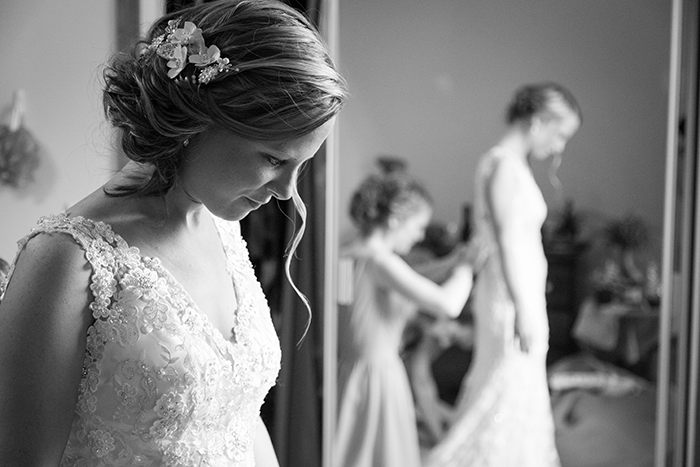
column 181, row 46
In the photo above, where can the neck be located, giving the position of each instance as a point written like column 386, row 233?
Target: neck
column 177, row 208
column 379, row 240
column 187, row 193
column 516, row 142
column 181, row 207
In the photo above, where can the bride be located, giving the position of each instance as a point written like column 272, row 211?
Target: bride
column 503, row 415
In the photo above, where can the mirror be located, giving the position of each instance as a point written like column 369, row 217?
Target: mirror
column 429, row 84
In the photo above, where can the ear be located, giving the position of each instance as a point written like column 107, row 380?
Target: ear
column 536, row 123
column 393, row 222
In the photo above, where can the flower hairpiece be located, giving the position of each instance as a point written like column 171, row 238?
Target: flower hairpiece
column 181, row 46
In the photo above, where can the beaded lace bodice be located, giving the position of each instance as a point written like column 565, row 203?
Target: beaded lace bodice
column 161, row 386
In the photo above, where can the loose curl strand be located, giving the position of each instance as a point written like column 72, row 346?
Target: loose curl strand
column 282, row 85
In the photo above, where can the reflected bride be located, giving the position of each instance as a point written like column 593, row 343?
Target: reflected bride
column 503, row 415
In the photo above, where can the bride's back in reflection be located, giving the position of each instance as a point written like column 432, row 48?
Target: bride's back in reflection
column 376, row 422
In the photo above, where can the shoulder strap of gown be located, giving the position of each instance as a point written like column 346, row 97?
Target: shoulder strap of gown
column 101, row 248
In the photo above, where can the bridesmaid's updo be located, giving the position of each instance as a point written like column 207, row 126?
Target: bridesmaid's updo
column 548, row 100
column 382, row 197
column 280, row 83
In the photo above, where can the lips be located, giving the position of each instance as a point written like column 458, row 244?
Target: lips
column 255, row 203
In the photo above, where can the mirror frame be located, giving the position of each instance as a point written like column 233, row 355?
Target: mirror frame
column 663, row 395
column 679, row 341
column 330, row 15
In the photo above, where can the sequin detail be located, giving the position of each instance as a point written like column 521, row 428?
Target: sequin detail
column 161, row 386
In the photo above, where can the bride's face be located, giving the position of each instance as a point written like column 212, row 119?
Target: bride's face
column 550, row 136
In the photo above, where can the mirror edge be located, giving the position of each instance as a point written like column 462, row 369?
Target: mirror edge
column 329, row 30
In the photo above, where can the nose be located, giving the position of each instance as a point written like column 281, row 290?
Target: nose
column 282, row 186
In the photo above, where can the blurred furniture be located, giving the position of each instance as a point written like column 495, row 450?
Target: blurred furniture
column 620, row 332
column 562, row 298
column 604, row 415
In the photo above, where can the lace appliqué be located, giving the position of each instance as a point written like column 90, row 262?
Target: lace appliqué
column 160, row 385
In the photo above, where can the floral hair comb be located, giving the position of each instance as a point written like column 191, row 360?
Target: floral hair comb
column 181, row 46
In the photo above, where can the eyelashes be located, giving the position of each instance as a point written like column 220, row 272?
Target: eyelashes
column 274, row 162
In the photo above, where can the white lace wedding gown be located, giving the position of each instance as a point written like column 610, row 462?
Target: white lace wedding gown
column 503, row 414
column 161, row 386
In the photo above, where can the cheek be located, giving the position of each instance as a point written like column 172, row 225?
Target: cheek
column 242, row 179
column 405, row 241
column 416, row 236
column 420, row 234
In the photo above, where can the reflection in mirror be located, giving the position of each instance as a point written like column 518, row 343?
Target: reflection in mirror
column 376, row 421
column 429, row 83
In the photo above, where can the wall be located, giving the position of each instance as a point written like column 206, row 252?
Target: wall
column 52, row 50
column 430, row 81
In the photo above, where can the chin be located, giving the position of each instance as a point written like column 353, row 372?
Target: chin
column 404, row 250
column 237, row 218
column 232, row 213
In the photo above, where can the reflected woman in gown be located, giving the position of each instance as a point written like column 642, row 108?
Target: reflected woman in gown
column 503, row 415
column 377, row 425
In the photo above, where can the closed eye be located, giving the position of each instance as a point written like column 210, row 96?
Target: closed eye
column 275, row 162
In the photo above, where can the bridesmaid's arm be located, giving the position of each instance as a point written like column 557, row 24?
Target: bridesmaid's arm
column 446, row 299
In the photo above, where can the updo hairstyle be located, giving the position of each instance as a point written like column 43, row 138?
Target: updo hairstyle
column 381, row 197
column 282, row 84
column 547, row 100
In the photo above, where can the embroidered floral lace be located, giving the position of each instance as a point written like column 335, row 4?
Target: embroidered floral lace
column 161, row 386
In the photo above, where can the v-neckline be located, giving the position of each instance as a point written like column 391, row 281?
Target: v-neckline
column 156, row 264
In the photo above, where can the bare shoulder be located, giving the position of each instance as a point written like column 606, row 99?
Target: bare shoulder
column 51, row 274
column 390, row 269
column 138, row 220
column 508, row 177
column 44, row 319
column 507, row 169
column 116, row 211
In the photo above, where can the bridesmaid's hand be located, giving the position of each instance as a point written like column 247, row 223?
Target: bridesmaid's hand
column 474, row 253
